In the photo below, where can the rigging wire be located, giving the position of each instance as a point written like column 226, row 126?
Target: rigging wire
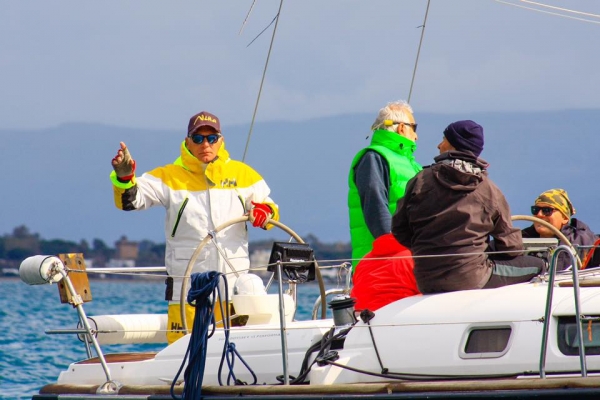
column 418, row 52
column 560, row 8
column 550, row 12
column 261, row 32
column 262, row 80
column 247, row 16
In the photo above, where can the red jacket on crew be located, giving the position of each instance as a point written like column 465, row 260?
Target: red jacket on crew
column 384, row 275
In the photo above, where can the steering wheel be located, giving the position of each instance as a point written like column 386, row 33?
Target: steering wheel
column 243, row 219
column 556, row 232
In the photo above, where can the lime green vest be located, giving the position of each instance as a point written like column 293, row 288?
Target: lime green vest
column 398, row 152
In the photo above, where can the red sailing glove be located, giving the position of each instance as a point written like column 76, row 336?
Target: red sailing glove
column 259, row 214
column 123, row 164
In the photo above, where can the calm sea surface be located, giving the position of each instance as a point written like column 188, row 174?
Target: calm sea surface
column 30, row 359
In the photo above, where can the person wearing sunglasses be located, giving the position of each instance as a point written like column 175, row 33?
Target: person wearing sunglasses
column 451, row 214
column 203, row 189
column 382, row 268
column 555, row 207
column 378, row 176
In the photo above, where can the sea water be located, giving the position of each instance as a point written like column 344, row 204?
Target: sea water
column 30, row 358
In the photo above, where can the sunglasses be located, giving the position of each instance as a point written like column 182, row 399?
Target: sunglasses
column 389, row 122
column 546, row 211
column 211, row 139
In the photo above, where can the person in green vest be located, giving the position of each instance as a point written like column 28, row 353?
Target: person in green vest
column 379, row 174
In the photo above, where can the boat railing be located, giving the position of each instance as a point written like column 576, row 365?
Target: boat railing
column 547, row 315
column 334, row 291
column 46, row 269
column 50, row 269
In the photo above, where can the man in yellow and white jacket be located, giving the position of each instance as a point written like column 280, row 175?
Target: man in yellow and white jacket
column 201, row 190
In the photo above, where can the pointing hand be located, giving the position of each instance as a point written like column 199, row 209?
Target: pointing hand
column 123, row 164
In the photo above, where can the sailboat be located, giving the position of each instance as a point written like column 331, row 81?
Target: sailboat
column 522, row 340
column 539, row 339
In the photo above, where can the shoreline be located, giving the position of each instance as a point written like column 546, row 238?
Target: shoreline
column 132, row 279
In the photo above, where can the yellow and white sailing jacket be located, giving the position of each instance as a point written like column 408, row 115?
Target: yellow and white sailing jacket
column 198, row 198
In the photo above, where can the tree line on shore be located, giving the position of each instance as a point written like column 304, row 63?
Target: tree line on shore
column 22, row 243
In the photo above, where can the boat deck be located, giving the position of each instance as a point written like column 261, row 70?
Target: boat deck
column 526, row 388
column 120, row 357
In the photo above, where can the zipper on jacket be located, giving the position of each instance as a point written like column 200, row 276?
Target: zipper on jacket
column 241, row 199
column 179, row 214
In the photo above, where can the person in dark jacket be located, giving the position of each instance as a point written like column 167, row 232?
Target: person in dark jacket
column 448, row 214
column 555, row 207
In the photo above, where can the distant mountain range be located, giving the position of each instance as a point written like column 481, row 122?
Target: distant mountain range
column 55, row 180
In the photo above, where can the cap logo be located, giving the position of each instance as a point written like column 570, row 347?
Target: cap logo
column 205, row 118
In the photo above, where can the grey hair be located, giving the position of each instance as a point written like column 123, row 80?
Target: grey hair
column 394, row 110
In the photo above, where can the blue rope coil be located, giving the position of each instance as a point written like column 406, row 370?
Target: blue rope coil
column 229, row 354
column 203, row 285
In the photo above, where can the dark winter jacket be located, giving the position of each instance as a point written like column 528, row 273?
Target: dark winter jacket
column 452, row 208
column 579, row 234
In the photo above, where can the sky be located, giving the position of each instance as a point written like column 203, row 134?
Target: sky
column 153, row 64
column 148, row 66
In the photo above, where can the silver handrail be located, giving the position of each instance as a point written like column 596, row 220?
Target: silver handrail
column 110, row 386
column 320, row 302
column 551, row 276
column 282, row 325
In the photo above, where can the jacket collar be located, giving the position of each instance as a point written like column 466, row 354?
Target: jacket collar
column 394, row 142
column 188, row 161
column 464, row 156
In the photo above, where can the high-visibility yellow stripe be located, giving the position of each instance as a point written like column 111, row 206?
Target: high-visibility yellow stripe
column 227, row 176
column 120, row 188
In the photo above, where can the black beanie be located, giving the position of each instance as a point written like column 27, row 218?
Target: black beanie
column 465, row 136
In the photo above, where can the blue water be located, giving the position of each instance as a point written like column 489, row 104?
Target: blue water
column 30, row 359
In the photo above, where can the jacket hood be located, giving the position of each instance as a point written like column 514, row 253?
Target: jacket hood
column 459, row 170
